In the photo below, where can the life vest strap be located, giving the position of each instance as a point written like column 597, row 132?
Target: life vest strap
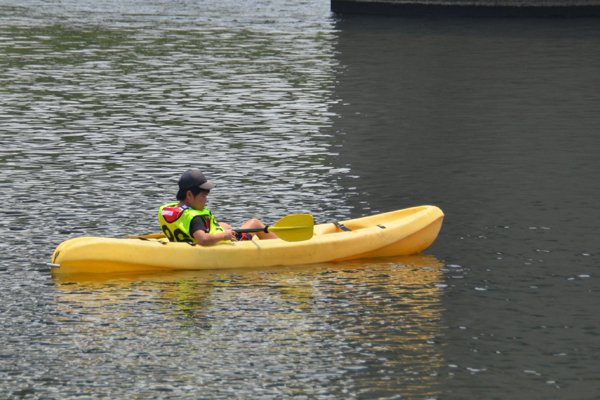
column 342, row 226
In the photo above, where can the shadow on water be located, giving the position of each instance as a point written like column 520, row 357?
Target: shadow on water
column 347, row 328
column 496, row 122
column 479, row 116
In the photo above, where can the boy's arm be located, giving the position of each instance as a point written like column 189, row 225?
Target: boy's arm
column 206, row 239
column 198, row 231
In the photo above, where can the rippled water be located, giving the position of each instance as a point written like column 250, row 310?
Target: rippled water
column 326, row 331
column 103, row 106
column 290, row 109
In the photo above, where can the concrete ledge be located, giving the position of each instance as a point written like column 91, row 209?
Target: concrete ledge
column 429, row 8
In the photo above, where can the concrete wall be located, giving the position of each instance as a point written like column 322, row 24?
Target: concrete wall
column 486, row 8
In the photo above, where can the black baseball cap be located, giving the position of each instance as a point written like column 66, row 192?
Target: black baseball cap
column 193, row 177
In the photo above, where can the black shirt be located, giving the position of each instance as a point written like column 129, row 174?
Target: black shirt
column 198, row 224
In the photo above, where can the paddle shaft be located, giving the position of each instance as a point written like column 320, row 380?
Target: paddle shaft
column 162, row 235
column 291, row 228
column 252, row 230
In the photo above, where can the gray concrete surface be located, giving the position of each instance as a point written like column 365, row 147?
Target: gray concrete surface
column 484, row 8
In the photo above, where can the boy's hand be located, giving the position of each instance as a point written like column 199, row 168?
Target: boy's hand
column 231, row 236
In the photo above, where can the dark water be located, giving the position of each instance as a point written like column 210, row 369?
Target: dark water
column 496, row 122
column 291, row 109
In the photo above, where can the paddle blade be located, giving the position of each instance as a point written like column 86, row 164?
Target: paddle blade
column 294, row 228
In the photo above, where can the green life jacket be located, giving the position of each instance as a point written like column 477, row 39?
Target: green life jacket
column 175, row 222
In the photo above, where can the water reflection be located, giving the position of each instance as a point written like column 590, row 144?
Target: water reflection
column 330, row 329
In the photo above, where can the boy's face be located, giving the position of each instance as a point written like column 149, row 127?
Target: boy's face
column 198, row 202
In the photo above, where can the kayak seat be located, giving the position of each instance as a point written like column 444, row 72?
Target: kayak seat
column 349, row 226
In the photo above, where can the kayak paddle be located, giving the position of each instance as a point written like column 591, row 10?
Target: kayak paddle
column 291, row 228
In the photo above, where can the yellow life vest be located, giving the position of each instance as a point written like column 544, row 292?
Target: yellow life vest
column 175, row 222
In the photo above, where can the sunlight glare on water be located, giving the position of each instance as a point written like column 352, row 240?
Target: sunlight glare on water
column 103, row 105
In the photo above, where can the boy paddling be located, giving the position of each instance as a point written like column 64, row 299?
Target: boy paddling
column 188, row 220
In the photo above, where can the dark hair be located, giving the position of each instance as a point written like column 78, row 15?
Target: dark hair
column 194, row 189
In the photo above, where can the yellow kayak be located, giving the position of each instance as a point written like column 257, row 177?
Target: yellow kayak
column 395, row 233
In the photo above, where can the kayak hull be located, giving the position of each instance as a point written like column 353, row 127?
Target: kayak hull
column 401, row 232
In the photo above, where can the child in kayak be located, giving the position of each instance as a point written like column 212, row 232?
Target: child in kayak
column 190, row 221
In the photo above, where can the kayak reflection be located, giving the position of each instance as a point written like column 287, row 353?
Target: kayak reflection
column 350, row 326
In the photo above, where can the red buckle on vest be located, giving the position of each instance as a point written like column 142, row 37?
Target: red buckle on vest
column 172, row 214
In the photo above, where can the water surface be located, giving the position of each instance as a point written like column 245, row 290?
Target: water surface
column 291, row 109
column 496, row 122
